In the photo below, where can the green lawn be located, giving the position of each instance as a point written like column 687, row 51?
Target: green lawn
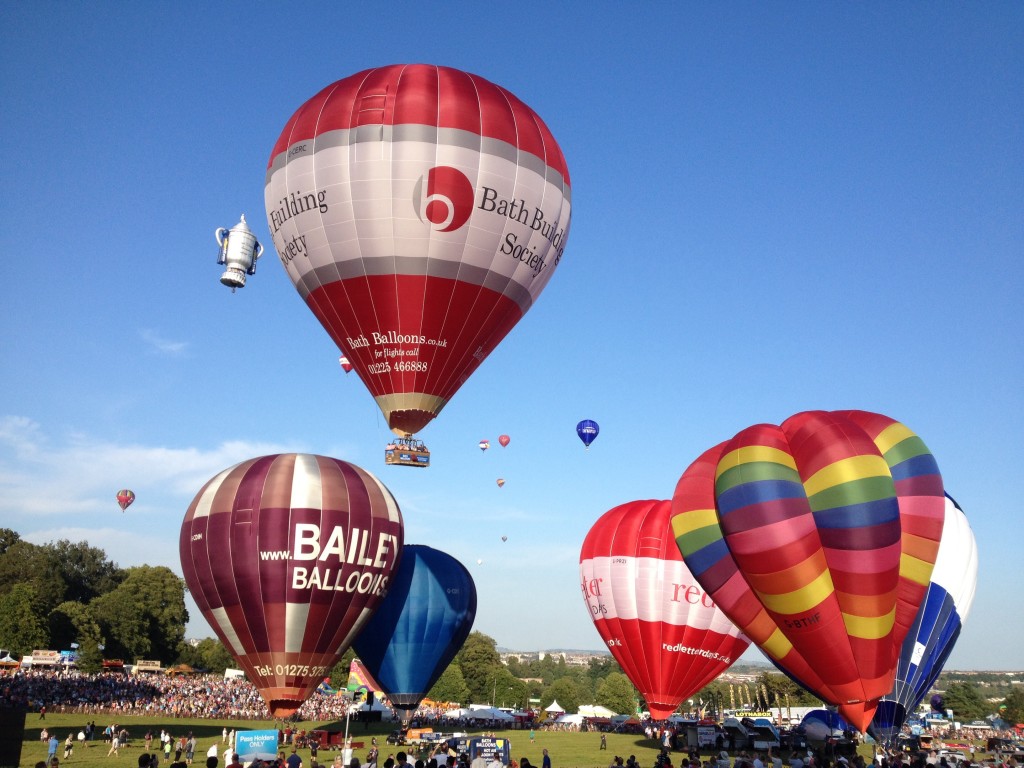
column 567, row 749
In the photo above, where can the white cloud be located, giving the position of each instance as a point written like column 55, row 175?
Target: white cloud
column 78, row 473
column 162, row 345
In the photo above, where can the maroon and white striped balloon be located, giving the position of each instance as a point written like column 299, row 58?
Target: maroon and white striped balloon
column 419, row 211
column 287, row 556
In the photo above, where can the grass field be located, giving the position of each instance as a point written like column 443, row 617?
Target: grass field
column 567, row 749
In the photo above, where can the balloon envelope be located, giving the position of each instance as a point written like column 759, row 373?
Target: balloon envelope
column 419, row 211
column 500, row 481
column 587, row 431
column 504, row 440
column 287, row 556
column 346, row 366
column 485, row 444
column 125, row 498
column 666, row 633
column 420, row 626
column 817, row 537
column 936, row 628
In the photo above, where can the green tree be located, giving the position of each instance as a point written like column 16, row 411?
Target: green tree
column 450, row 686
column 123, row 625
column 565, row 692
column 71, row 622
column 1014, row 704
column 7, row 538
column 85, row 570
column 25, row 563
column 160, row 597
column 966, row 701
column 617, row 693
column 479, row 661
column 22, row 628
column 208, row 654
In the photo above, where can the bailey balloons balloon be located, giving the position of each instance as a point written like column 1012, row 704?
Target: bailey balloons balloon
column 936, row 628
column 287, row 556
column 420, row 211
column 419, row 627
column 667, row 634
column 587, row 431
column 125, row 497
column 818, row 538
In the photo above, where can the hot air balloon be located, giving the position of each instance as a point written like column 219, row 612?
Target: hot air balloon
column 419, row 627
column 485, row 444
column 504, row 538
column 587, row 431
column 287, row 556
column 666, row 633
column 419, row 211
column 817, row 538
column 504, row 440
column 936, row 628
column 346, row 366
column 500, row 481
column 125, row 498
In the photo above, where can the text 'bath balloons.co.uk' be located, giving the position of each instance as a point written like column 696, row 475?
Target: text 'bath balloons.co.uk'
column 936, row 628
column 419, row 627
column 419, row 211
column 287, row 556
column 817, row 538
column 666, row 633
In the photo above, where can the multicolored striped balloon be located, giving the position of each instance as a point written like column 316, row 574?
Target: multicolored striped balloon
column 817, row 538
column 419, row 211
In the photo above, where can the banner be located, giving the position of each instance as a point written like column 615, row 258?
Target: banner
column 49, row 658
column 256, row 745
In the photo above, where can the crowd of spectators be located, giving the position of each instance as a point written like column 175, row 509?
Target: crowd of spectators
column 117, row 693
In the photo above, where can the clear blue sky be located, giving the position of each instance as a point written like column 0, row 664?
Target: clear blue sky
column 777, row 207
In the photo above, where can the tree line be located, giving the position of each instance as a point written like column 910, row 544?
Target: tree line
column 53, row 595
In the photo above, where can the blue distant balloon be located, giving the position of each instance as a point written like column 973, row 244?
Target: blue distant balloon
column 935, row 629
column 587, row 430
column 419, row 626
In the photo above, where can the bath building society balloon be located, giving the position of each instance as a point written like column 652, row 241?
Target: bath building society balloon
column 287, row 556
column 419, row 211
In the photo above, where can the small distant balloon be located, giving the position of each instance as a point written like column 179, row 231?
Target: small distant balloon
column 479, row 561
column 504, row 538
column 500, row 481
column 485, row 444
column 125, row 498
column 587, row 431
column 346, row 366
column 504, row 440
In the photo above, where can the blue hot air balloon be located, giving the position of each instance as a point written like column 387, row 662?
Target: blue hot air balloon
column 419, row 626
column 587, row 430
column 936, row 627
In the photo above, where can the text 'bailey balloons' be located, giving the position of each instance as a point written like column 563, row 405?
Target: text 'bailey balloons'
column 346, row 366
column 125, row 498
column 817, row 538
column 936, row 628
column 419, row 627
column 484, row 445
column 419, row 211
column 504, row 440
column 287, row 556
column 587, row 431
column 666, row 633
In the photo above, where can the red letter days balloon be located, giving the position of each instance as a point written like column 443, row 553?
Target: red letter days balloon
column 419, row 211
column 667, row 635
column 287, row 557
column 818, row 539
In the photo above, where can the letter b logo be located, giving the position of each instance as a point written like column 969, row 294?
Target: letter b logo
column 448, row 201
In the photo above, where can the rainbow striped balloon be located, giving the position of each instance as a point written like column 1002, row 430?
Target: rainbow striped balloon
column 817, row 538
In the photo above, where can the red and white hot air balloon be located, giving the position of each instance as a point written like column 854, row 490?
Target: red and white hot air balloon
column 346, row 366
column 420, row 211
column 287, row 557
column 667, row 634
